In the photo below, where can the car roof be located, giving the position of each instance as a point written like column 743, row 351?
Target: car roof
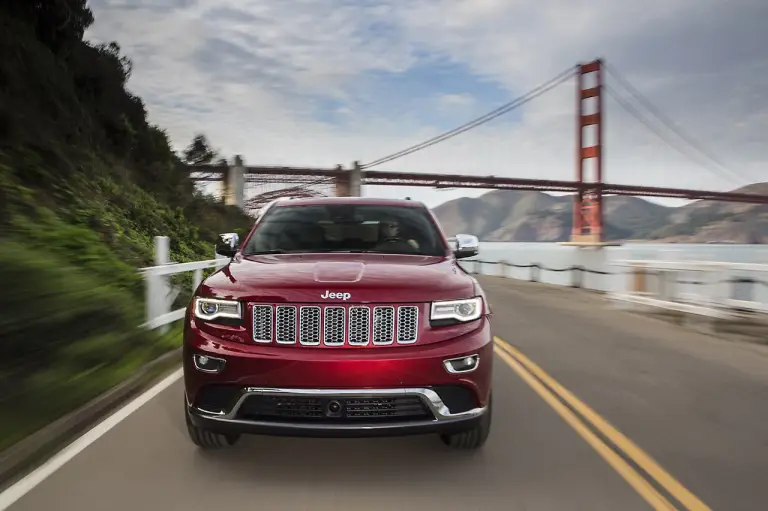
column 372, row 201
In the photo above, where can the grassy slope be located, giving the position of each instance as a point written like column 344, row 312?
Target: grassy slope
column 85, row 185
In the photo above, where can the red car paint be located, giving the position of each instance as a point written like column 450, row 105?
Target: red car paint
column 346, row 281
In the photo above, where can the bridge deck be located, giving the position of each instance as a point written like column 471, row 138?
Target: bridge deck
column 694, row 403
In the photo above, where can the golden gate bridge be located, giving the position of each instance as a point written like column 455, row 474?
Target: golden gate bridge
column 588, row 190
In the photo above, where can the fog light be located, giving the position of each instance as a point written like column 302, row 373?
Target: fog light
column 462, row 364
column 208, row 364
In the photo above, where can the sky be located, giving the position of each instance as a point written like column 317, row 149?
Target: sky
column 322, row 83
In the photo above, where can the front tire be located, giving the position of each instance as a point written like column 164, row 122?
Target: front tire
column 473, row 438
column 205, row 439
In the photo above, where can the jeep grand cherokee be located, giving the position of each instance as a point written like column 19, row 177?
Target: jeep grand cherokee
column 340, row 317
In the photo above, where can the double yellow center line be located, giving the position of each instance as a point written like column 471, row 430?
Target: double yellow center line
column 656, row 481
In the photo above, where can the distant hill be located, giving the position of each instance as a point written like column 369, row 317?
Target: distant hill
column 528, row 216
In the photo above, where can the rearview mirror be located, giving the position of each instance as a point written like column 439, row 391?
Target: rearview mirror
column 228, row 244
column 466, row 245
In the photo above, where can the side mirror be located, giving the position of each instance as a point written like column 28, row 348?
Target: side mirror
column 466, row 246
column 228, row 244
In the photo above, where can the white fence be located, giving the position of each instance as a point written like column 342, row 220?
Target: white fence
column 159, row 293
column 711, row 288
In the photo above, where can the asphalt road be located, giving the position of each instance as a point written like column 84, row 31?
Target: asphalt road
column 694, row 404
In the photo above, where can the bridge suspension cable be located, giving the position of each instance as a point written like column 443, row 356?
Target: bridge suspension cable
column 719, row 168
column 506, row 108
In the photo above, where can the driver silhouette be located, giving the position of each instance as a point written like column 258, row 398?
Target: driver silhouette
column 390, row 233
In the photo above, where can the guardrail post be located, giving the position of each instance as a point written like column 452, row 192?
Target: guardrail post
column 723, row 288
column 158, row 286
column 197, row 279
column 639, row 284
column 741, row 289
column 577, row 277
column 669, row 290
column 150, row 292
column 707, row 291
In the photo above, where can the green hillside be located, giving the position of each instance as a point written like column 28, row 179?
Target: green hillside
column 85, row 184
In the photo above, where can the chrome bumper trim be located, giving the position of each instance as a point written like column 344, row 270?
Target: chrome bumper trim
column 428, row 396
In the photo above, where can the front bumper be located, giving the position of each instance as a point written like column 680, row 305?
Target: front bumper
column 436, row 419
column 382, row 391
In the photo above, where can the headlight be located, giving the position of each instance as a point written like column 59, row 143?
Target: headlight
column 457, row 310
column 210, row 308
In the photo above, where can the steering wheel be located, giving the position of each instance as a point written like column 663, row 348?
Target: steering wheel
column 401, row 244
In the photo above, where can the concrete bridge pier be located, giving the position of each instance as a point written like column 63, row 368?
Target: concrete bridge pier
column 234, row 184
column 349, row 183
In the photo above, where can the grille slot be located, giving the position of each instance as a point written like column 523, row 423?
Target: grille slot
column 309, row 326
column 285, row 327
column 407, row 324
column 262, row 323
column 333, row 335
column 359, row 326
column 383, row 325
column 336, row 325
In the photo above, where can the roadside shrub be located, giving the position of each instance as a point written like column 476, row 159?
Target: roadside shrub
column 65, row 337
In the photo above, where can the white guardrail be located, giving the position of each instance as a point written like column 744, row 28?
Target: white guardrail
column 159, row 294
column 707, row 288
column 716, row 289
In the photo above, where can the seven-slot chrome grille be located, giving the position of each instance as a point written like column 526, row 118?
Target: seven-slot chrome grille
column 336, row 325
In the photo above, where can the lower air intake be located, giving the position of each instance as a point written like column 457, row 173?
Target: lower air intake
column 334, row 410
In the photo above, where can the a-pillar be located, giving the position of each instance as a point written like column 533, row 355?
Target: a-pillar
column 234, row 191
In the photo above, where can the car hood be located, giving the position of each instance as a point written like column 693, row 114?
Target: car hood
column 350, row 278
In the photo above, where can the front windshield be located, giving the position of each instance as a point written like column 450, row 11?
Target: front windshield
column 346, row 228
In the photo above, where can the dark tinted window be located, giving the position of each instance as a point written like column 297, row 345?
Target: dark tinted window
column 346, row 227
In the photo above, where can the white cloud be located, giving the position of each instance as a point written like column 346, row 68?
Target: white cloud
column 450, row 101
column 251, row 74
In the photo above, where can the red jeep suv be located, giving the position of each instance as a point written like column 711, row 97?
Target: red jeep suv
column 340, row 317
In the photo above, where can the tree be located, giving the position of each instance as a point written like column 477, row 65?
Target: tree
column 124, row 64
column 59, row 23
column 199, row 152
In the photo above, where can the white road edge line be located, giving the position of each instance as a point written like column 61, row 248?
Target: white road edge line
column 23, row 486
